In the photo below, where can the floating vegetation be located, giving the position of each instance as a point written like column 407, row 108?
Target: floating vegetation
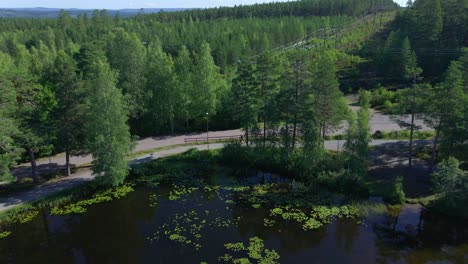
column 27, row 216
column 187, row 228
column 268, row 223
column 105, row 196
column 254, row 252
column 316, row 218
column 5, row 234
column 179, row 191
column 153, row 200
column 21, row 215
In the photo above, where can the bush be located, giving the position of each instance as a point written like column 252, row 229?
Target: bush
column 383, row 99
column 450, row 182
column 397, row 194
column 234, row 154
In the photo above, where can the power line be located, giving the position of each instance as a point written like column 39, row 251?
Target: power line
column 336, row 31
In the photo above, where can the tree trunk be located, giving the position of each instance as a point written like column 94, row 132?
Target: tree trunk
column 171, row 121
column 67, row 161
column 434, row 149
column 32, row 159
column 247, row 136
column 411, row 140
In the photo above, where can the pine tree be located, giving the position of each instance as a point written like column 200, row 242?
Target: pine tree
column 445, row 107
column 9, row 151
column 411, row 98
column 107, row 131
column 267, row 77
column 34, row 103
column 300, row 96
column 68, row 116
column 245, row 97
column 331, row 106
column 428, row 18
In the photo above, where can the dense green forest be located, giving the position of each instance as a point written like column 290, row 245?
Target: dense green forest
column 92, row 83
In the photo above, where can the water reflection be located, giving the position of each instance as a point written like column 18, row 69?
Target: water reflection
column 118, row 232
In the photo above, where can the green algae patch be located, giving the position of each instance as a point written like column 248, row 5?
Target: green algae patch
column 5, row 234
column 180, row 191
column 314, row 218
column 254, row 252
column 101, row 197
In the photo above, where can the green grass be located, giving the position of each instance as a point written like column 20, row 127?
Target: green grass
column 393, row 135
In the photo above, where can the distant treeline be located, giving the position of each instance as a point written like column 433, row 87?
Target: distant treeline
column 55, row 12
column 278, row 9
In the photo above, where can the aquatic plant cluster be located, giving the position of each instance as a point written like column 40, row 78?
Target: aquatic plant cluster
column 4, row 234
column 104, row 196
column 286, row 205
column 255, row 251
column 22, row 216
column 187, row 228
column 317, row 217
column 179, row 191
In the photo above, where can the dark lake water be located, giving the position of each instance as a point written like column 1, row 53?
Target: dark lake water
column 133, row 230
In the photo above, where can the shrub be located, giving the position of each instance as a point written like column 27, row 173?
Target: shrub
column 451, row 183
column 397, row 194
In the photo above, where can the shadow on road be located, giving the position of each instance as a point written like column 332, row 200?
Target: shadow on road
column 40, row 192
column 45, row 171
column 390, row 161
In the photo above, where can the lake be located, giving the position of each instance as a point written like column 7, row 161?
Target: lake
column 168, row 224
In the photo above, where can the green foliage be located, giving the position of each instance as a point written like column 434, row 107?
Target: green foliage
column 358, row 138
column 330, row 107
column 107, row 132
column 451, row 183
column 443, row 30
column 383, row 99
column 255, row 251
column 404, row 134
column 104, row 196
column 314, row 218
column 178, row 191
column 5, row 234
column 397, row 194
column 130, row 66
column 22, row 214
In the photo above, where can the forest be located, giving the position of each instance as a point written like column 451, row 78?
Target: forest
column 267, row 132
column 94, row 84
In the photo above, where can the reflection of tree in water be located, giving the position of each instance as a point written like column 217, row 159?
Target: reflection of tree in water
column 433, row 239
column 33, row 243
column 290, row 234
column 346, row 232
column 110, row 232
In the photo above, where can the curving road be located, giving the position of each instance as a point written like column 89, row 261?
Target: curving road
column 85, row 175
column 378, row 122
